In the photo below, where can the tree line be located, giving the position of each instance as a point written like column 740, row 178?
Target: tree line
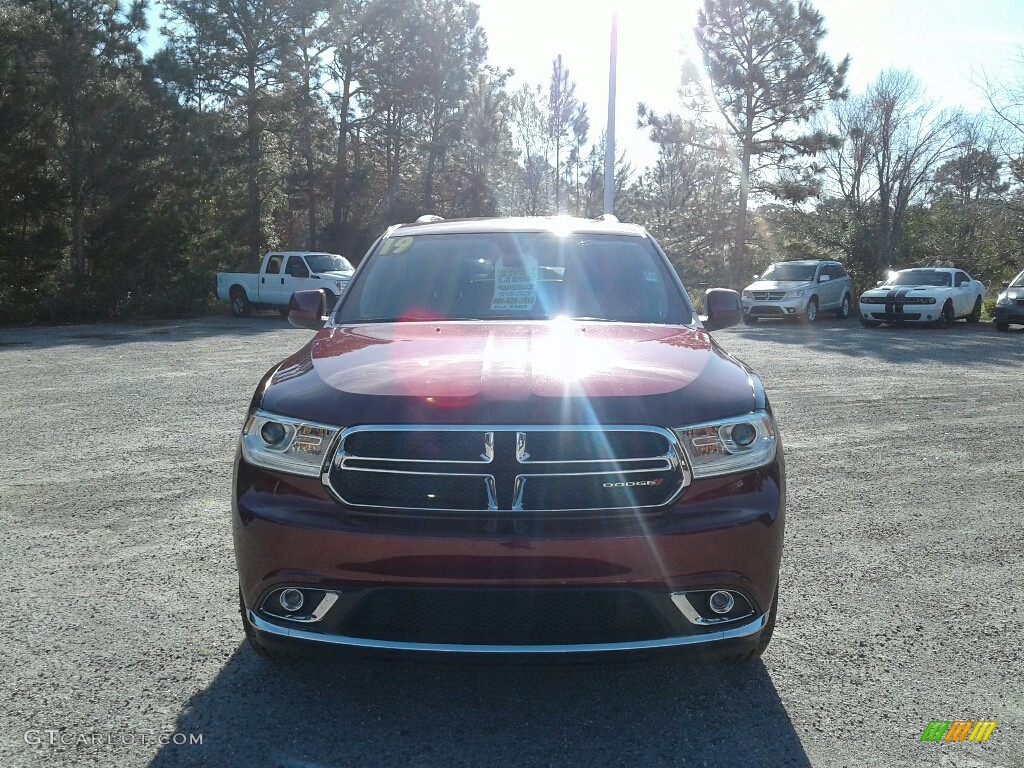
column 127, row 180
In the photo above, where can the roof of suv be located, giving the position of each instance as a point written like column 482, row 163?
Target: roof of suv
column 556, row 224
column 807, row 261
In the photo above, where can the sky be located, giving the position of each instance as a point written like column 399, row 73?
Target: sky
column 947, row 44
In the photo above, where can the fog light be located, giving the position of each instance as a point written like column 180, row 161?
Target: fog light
column 292, row 600
column 721, row 602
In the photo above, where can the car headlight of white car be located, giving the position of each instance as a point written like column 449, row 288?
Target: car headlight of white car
column 287, row 445
column 794, row 294
column 747, row 294
column 731, row 445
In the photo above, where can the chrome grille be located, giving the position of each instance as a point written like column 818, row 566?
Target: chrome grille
column 767, row 295
column 506, row 468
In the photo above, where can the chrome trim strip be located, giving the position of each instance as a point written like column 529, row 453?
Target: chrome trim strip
column 329, row 599
column 391, row 645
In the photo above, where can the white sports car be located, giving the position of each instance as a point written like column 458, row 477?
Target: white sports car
column 927, row 295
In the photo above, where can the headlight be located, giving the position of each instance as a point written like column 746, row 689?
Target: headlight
column 288, row 445
column 1003, row 300
column 747, row 294
column 731, row 445
column 794, row 295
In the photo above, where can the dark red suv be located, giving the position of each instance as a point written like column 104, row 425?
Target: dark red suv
column 512, row 436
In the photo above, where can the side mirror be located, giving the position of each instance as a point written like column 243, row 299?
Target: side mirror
column 1006, row 283
column 308, row 309
column 824, row 278
column 723, row 308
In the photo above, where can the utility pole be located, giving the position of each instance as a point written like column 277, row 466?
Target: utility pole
column 609, row 145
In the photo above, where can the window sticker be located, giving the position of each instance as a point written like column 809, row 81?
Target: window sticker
column 515, row 288
column 651, row 277
column 396, row 245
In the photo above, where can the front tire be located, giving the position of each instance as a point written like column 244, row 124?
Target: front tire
column 975, row 315
column 945, row 316
column 811, row 313
column 869, row 323
column 749, row 319
column 1002, row 326
column 844, row 308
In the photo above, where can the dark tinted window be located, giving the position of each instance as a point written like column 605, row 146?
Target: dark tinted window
column 922, row 277
column 274, row 265
column 790, row 271
column 296, row 267
column 836, row 271
column 325, row 262
column 506, row 275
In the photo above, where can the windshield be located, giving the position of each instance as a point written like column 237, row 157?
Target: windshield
column 515, row 276
column 325, row 262
column 789, row 271
column 921, row 277
column 1018, row 281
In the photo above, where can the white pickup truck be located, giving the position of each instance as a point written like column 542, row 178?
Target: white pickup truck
column 281, row 274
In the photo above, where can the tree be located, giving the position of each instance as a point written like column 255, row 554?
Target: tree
column 892, row 141
column 567, row 120
column 453, row 51
column 485, row 153
column 356, row 31
column 687, row 197
column 303, row 74
column 528, row 110
column 769, row 79
column 241, row 42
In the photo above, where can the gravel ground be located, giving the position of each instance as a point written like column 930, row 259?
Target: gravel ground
column 903, row 556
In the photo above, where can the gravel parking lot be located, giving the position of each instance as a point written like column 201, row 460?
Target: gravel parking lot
column 900, row 585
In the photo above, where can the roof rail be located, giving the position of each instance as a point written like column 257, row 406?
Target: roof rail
column 609, row 217
column 429, row 217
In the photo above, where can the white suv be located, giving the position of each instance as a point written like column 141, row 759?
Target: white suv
column 799, row 289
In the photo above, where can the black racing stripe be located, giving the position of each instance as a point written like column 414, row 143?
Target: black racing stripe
column 890, row 301
column 900, row 295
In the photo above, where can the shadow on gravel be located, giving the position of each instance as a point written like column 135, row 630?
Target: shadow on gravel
column 376, row 713
column 910, row 343
column 111, row 334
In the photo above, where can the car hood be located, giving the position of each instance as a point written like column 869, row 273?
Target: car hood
column 1014, row 293
column 778, row 285
column 336, row 275
column 905, row 290
column 507, row 373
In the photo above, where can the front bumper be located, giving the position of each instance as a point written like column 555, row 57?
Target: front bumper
column 911, row 313
column 1009, row 313
column 742, row 636
column 769, row 309
column 722, row 533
